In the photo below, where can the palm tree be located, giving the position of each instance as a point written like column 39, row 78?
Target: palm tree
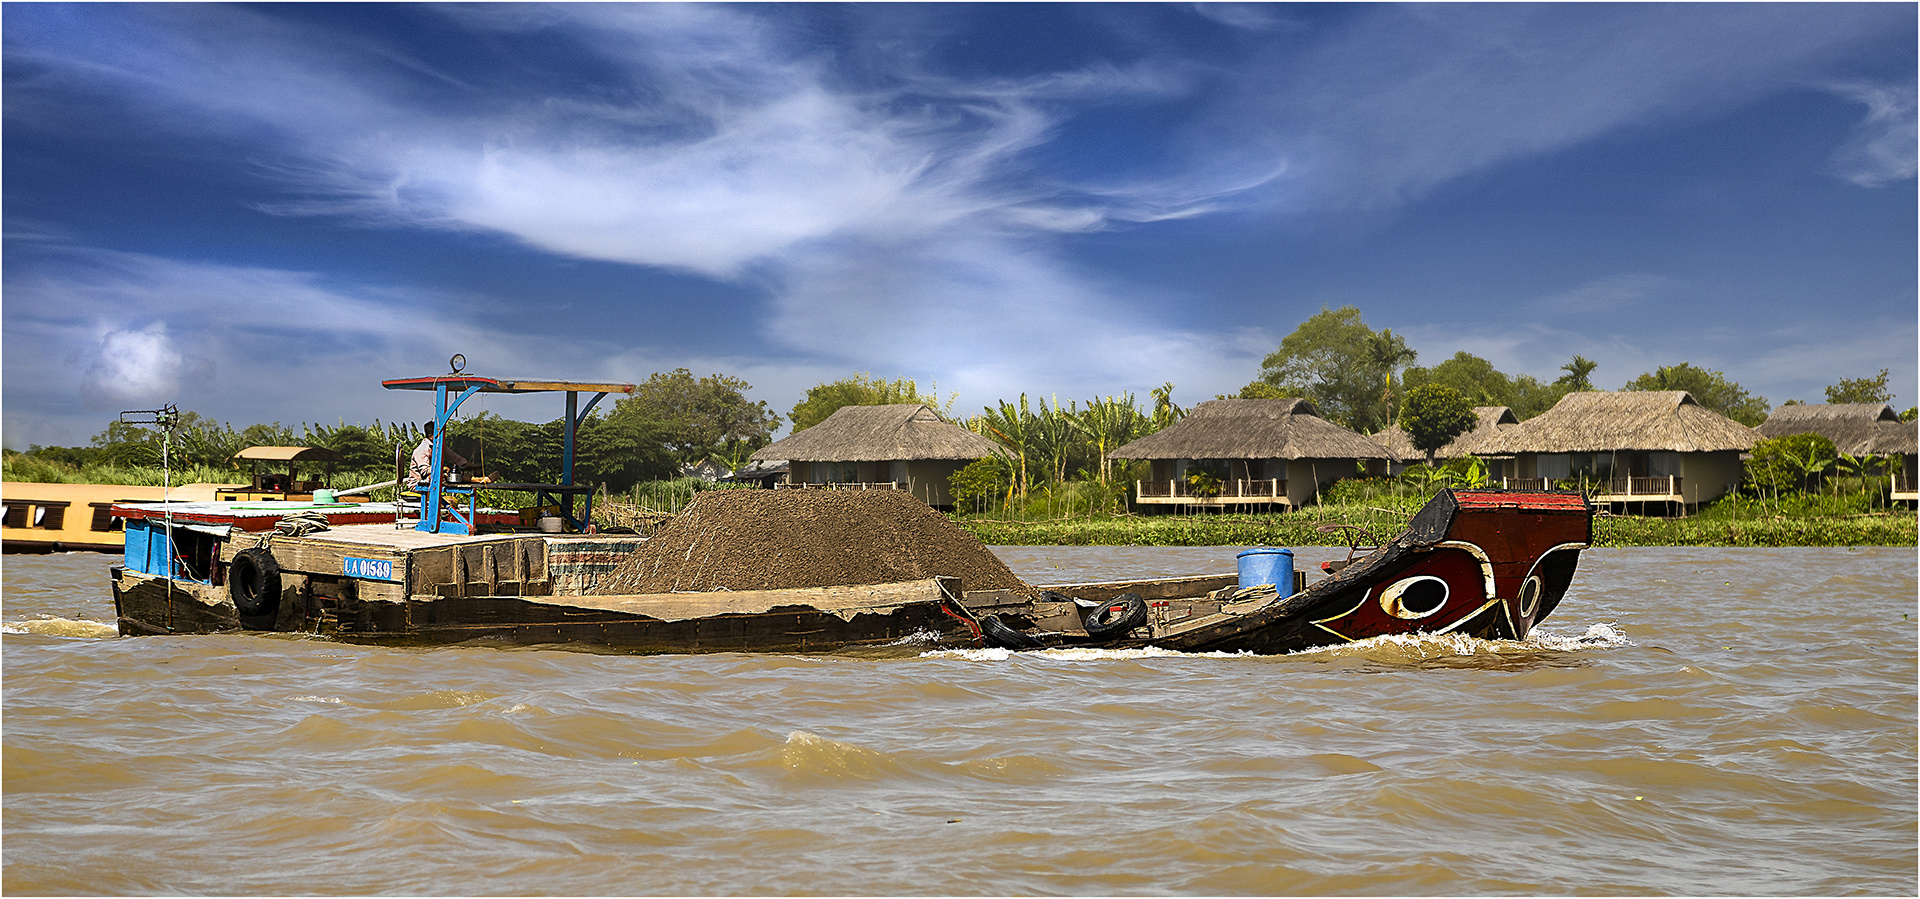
column 1165, row 413
column 1578, row 370
column 1388, row 352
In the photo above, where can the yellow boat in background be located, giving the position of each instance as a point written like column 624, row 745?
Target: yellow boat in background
column 44, row 518
column 60, row 517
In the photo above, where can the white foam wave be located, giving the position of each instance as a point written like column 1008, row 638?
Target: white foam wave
column 1597, row 636
column 49, row 626
column 1078, row 654
column 1603, row 635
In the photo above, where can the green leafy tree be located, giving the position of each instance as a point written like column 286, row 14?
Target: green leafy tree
column 1861, row 390
column 1471, row 376
column 1333, row 360
column 1434, row 414
column 1711, row 389
column 194, row 440
column 1257, row 390
column 700, row 418
column 861, row 389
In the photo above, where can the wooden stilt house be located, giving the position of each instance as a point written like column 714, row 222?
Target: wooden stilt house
column 1628, row 448
column 1857, row 429
column 903, row 446
column 1249, row 454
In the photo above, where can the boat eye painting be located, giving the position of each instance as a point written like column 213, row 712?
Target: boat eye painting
column 1414, row 597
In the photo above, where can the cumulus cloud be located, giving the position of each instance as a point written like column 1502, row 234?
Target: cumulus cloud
column 139, row 367
column 88, row 330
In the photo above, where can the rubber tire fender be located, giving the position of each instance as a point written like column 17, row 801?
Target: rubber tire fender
column 1116, row 616
column 253, row 582
column 1001, row 635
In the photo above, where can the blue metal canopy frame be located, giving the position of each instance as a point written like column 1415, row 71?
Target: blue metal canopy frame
column 449, row 391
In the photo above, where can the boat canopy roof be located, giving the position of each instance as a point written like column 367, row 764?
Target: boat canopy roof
column 505, row 385
column 288, row 454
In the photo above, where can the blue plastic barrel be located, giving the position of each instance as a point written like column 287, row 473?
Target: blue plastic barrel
column 1267, row 565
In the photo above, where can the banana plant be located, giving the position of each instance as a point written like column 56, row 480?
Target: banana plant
column 1860, row 466
column 1108, row 423
column 1010, row 426
column 1812, row 465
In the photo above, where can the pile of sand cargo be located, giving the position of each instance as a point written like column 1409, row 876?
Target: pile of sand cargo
column 783, row 539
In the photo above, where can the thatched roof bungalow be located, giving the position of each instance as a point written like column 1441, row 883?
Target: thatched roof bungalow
column 1635, row 446
column 1478, row 441
column 1262, row 452
column 905, row 446
column 1857, row 429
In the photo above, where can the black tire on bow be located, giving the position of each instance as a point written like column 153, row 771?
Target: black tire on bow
column 1001, row 635
column 253, row 582
column 1116, row 616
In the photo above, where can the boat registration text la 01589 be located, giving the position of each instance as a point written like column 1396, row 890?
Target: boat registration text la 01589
column 370, row 569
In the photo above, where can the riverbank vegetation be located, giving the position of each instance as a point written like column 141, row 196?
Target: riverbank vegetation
column 1367, row 511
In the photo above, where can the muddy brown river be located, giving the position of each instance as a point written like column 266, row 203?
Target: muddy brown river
column 1689, row 721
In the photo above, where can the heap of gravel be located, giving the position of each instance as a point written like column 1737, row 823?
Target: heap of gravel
column 781, row 539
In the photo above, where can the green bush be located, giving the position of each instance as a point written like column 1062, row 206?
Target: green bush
column 981, row 486
column 1795, row 462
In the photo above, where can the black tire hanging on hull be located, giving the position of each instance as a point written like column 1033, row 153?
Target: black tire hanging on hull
column 253, row 582
column 1001, row 635
column 1116, row 616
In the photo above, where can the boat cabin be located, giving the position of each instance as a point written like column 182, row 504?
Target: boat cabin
column 277, row 474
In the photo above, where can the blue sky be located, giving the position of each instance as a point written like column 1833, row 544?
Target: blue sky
column 259, row 212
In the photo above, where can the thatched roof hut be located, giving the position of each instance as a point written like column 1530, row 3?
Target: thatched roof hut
column 902, row 431
column 1479, row 441
column 1597, row 421
column 1855, row 428
column 1252, row 429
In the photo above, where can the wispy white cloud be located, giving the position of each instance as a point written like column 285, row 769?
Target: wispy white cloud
column 1407, row 97
column 903, row 222
column 1884, row 147
column 1604, row 296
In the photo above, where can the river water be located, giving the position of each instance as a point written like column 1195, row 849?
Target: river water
column 1690, row 721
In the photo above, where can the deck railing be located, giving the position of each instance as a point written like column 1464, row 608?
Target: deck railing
column 1901, row 482
column 1662, row 486
column 1268, row 488
column 841, row 485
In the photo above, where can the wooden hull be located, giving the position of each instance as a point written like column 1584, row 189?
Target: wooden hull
column 806, row 620
column 1488, row 564
column 1481, row 563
